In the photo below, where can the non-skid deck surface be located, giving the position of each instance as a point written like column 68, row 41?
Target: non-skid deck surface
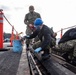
column 11, row 63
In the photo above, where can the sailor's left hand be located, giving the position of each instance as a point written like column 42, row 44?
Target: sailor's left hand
column 37, row 50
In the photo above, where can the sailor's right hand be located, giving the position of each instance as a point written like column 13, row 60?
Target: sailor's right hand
column 25, row 37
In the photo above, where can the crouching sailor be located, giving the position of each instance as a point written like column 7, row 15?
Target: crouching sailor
column 45, row 38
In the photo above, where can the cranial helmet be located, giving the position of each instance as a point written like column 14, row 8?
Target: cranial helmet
column 38, row 22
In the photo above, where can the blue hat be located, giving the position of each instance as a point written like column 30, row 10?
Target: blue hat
column 38, row 22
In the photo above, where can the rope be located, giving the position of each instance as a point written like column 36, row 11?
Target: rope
column 9, row 23
column 66, row 28
column 69, row 27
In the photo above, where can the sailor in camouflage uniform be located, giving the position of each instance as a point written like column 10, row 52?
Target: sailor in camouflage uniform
column 29, row 21
column 68, row 42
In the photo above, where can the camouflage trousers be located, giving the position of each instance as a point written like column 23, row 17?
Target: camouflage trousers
column 68, row 46
column 38, row 44
column 36, row 39
column 28, row 32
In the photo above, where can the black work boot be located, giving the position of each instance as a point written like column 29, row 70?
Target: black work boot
column 65, row 56
column 45, row 56
column 73, row 62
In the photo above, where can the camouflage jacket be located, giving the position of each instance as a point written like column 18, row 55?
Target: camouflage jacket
column 30, row 18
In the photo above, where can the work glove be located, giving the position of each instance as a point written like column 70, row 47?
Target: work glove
column 37, row 50
column 27, row 36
